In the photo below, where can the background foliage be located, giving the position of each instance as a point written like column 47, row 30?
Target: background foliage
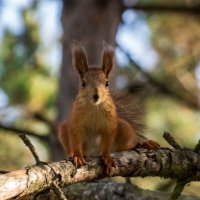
column 165, row 46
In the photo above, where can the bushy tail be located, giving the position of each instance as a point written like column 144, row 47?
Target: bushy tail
column 129, row 110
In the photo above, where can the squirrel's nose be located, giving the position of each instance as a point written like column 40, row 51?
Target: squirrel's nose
column 96, row 97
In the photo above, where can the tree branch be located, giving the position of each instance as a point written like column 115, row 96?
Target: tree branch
column 162, row 87
column 180, row 184
column 105, row 189
column 24, row 131
column 177, row 164
column 108, row 189
column 160, row 8
column 42, row 118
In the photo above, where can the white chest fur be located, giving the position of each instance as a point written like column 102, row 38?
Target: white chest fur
column 95, row 124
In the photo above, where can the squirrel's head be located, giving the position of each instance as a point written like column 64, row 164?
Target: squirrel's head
column 93, row 81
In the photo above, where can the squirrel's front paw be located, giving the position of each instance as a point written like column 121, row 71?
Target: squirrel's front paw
column 108, row 162
column 78, row 160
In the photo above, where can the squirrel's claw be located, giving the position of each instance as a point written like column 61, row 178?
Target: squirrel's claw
column 149, row 144
column 109, row 163
column 78, row 161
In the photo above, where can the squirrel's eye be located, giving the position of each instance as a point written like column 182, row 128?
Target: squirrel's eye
column 107, row 83
column 83, row 83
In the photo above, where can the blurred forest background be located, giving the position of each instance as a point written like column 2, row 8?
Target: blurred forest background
column 157, row 54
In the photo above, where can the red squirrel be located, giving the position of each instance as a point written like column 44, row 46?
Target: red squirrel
column 93, row 126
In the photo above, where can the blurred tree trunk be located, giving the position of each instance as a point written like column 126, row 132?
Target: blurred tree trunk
column 91, row 22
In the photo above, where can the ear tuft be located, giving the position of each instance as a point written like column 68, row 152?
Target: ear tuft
column 79, row 58
column 107, row 58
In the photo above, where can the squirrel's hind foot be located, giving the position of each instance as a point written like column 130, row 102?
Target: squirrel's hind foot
column 109, row 163
column 148, row 144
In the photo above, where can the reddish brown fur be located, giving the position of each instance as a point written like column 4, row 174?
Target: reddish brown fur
column 107, row 59
column 93, row 126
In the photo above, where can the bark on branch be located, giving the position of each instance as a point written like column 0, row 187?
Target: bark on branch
column 177, row 164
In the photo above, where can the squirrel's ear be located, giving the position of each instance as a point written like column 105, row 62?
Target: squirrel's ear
column 108, row 58
column 79, row 59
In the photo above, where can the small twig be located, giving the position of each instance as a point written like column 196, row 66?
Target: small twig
column 58, row 191
column 197, row 147
column 171, row 140
column 28, row 143
column 180, row 184
column 39, row 194
column 177, row 190
column 161, row 86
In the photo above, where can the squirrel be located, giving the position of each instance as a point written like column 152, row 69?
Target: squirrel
column 93, row 126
